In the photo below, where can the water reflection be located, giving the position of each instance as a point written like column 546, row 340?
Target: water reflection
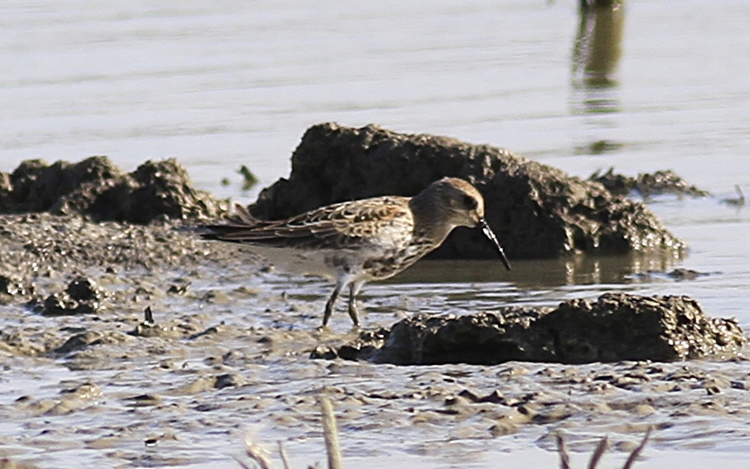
column 576, row 270
column 596, row 55
column 597, row 50
column 598, row 147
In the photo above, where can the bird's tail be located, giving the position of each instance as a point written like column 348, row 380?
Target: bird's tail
column 240, row 221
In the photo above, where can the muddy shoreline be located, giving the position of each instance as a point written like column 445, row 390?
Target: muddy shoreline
column 228, row 349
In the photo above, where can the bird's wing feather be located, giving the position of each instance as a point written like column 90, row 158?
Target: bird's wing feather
column 382, row 220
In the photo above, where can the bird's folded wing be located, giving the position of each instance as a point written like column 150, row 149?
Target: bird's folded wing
column 342, row 226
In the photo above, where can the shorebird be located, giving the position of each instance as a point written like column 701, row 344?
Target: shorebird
column 362, row 240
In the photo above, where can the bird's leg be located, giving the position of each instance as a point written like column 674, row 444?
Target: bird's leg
column 329, row 304
column 353, row 313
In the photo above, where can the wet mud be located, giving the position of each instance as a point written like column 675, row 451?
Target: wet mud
column 91, row 374
column 142, row 345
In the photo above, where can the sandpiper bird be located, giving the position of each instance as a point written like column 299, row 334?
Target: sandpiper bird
column 362, row 240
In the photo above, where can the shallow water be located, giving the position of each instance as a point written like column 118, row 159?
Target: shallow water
column 220, row 85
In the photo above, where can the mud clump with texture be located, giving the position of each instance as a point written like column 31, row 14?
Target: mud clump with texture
column 537, row 211
column 647, row 184
column 96, row 188
column 82, row 296
column 616, row 327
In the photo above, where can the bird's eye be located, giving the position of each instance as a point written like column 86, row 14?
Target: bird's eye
column 470, row 202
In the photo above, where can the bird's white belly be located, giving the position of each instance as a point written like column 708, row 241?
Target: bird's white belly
column 331, row 263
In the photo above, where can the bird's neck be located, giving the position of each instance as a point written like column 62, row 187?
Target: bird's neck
column 430, row 221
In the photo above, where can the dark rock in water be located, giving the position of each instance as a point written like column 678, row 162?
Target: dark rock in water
column 326, row 352
column 647, row 184
column 83, row 289
column 79, row 342
column 97, row 188
column 613, row 328
column 81, row 297
column 11, row 286
column 536, row 211
column 675, row 274
column 228, row 380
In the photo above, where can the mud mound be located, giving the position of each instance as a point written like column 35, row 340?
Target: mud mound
column 96, row 188
column 537, row 211
column 615, row 327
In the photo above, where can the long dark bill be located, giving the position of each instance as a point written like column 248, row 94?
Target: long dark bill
column 488, row 233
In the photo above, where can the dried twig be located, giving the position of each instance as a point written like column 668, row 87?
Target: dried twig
column 596, row 456
column 598, row 452
column 255, row 452
column 636, row 452
column 330, row 432
column 284, row 456
column 563, row 450
column 333, row 449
